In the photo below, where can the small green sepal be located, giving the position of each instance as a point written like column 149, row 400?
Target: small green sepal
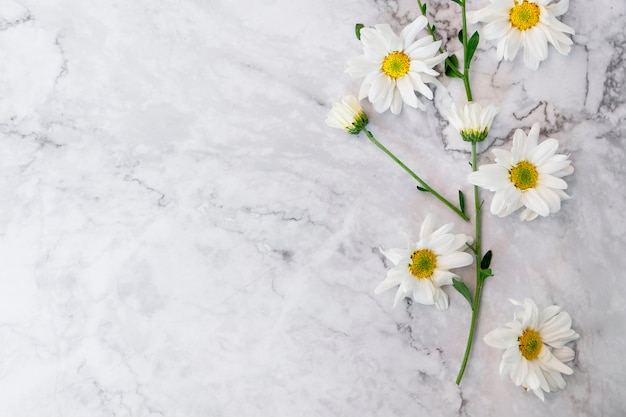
column 472, row 44
column 484, row 274
column 463, row 290
column 486, row 261
column 422, row 189
column 357, row 30
column 452, row 67
column 462, row 201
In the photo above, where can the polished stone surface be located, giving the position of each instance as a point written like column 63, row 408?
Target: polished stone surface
column 182, row 235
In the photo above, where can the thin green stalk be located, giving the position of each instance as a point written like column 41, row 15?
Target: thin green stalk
column 417, row 178
column 431, row 29
column 479, row 278
column 466, row 62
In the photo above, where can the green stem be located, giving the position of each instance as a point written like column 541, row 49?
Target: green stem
column 414, row 175
column 466, row 62
column 431, row 29
column 479, row 278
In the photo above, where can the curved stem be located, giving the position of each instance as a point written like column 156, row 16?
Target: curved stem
column 414, row 175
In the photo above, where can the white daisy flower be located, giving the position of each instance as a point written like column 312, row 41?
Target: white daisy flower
column 395, row 66
column 530, row 176
column 423, row 268
column 348, row 115
column 473, row 121
column 535, row 349
column 527, row 24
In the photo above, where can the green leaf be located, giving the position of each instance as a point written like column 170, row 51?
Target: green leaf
column 472, row 44
column 486, row 261
column 452, row 72
column 458, row 2
column 424, row 9
column 357, row 30
column 462, row 201
column 462, row 289
column 460, row 36
column 422, row 189
column 484, row 274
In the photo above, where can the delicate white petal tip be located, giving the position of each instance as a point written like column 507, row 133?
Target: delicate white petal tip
column 528, row 176
column 529, row 25
column 534, row 347
column 424, row 267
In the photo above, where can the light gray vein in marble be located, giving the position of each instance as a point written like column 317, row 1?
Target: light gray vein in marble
column 181, row 235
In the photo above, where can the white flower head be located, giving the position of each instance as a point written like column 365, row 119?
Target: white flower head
column 530, row 176
column 473, row 121
column 395, row 66
column 534, row 345
column 527, row 24
column 347, row 115
column 423, row 268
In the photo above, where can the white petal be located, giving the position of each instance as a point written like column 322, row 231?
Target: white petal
column 427, row 227
column 396, row 255
column 557, row 9
column 550, row 197
column 424, row 292
column 454, row 260
column 564, row 354
column 441, row 300
column 502, row 338
column 491, row 176
column 550, row 181
column 409, row 33
column 396, row 102
column 405, row 87
column 532, row 199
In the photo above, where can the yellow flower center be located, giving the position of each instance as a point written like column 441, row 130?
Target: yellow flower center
column 423, row 263
column 396, row 64
column 524, row 175
column 524, row 15
column 530, row 344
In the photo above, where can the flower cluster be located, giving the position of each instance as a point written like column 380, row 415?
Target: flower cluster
column 396, row 70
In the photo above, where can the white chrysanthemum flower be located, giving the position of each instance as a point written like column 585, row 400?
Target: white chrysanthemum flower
column 348, row 115
column 423, row 268
column 535, row 349
column 531, row 175
column 473, row 121
column 395, row 66
column 527, row 24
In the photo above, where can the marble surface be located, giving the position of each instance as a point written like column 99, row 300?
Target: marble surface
column 182, row 235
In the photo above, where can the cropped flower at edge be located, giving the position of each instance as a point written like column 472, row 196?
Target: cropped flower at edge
column 395, row 66
column 527, row 24
column 348, row 115
column 472, row 121
column 423, row 268
column 535, row 349
column 530, row 175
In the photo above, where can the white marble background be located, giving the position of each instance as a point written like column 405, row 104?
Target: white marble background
column 181, row 235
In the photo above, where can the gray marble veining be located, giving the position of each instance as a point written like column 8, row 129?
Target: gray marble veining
column 181, row 235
